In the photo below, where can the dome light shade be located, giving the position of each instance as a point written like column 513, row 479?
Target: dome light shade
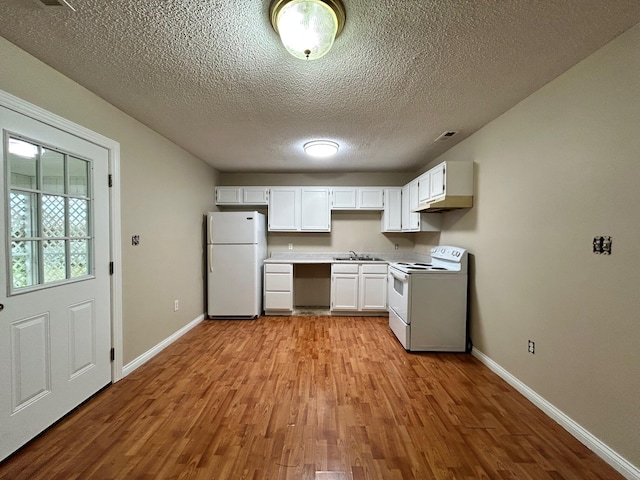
column 321, row 148
column 307, row 28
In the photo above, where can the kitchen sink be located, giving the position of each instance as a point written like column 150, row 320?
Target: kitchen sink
column 359, row 258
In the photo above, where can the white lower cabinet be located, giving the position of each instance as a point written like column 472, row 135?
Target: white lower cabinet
column 373, row 287
column 344, row 287
column 358, row 287
column 278, row 288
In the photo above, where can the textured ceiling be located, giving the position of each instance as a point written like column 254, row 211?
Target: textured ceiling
column 212, row 76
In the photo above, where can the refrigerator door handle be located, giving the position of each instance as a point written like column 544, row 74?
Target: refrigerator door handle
column 210, row 258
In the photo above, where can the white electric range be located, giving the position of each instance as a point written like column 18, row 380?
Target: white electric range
column 428, row 302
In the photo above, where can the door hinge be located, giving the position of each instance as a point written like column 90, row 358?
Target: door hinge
column 113, row 354
column 111, row 268
column 110, row 180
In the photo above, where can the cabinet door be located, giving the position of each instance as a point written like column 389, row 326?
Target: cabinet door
column 284, row 205
column 228, row 195
column 392, row 213
column 344, row 198
column 424, row 187
column 414, row 217
column 373, row 291
column 406, row 209
column 437, row 177
column 255, row 196
column 370, row 198
column 344, row 292
column 315, row 210
column 278, row 301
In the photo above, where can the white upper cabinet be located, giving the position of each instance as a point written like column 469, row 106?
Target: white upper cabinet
column 424, row 187
column 371, row 198
column 315, row 214
column 344, row 198
column 437, row 183
column 392, row 213
column 284, row 209
column 358, row 198
column 299, row 209
column 415, row 221
column 248, row 196
column 450, row 187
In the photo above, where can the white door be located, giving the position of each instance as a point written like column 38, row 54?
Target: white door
column 55, row 324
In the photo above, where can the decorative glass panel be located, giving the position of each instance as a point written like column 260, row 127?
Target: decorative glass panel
column 79, row 261
column 52, row 216
column 78, row 218
column 23, row 163
column 24, row 266
column 49, row 225
column 23, row 214
column 52, row 165
column 54, row 260
column 78, row 177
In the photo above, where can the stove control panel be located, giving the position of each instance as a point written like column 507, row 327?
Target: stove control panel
column 451, row 254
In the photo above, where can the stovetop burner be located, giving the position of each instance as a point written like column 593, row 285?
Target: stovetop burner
column 417, row 266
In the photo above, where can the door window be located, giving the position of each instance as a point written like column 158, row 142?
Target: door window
column 50, row 216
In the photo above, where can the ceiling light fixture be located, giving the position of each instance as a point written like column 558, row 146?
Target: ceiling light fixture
column 307, row 28
column 321, row 148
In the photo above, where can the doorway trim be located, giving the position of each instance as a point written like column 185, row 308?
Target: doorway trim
column 30, row 110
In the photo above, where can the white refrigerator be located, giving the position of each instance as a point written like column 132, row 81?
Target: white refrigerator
column 236, row 249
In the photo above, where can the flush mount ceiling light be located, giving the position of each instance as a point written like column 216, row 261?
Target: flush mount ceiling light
column 321, row 148
column 307, row 28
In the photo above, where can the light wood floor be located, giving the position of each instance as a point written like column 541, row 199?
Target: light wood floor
column 306, row 398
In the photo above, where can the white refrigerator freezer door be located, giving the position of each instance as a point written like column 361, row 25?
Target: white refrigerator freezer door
column 235, row 227
column 234, row 281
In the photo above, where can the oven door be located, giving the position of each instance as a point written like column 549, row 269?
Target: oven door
column 398, row 285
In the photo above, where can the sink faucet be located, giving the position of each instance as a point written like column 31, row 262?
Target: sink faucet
column 353, row 254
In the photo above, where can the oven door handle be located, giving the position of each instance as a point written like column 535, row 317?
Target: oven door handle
column 399, row 275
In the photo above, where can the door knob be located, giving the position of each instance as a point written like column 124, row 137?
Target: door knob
column 1, row 306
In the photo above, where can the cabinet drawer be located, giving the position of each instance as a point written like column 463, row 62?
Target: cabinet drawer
column 277, row 301
column 376, row 268
column 277, row 282
column 278, row 268
column 344, row 268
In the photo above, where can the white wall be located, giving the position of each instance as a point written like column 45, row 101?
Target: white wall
column 553, row 172
column 165, row 192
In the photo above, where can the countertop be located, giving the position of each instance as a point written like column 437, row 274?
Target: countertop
column 328, row 257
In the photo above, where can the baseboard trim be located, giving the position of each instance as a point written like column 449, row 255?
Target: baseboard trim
column 623, row 466
column 149, row 354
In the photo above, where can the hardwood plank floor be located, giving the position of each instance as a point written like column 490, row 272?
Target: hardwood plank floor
column 318, row 398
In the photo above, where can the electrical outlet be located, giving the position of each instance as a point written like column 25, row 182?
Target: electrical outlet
column 135, row 240
column 176, row 305
column 532, row 347
column 396, row 246
column 291, row 246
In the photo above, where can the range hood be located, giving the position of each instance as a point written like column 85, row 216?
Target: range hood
column 445, row 203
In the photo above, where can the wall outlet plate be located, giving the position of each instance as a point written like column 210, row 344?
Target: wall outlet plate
column 531, row 347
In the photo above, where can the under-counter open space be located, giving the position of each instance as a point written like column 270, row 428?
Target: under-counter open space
column 312, row 286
